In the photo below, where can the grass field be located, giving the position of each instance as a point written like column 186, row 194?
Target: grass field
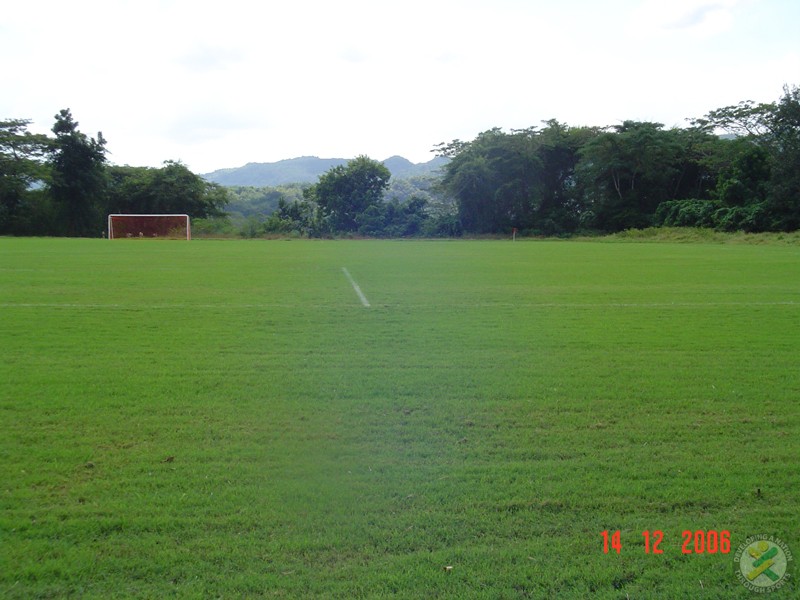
column 227, row 419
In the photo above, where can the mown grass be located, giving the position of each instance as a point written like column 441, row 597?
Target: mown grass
column 225, row 419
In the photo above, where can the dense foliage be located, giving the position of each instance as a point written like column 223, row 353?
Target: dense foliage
column 549, row 180
column 346, row 192
column 250, row 201
column 77, row 177
column 352, row 199
column 560, row 179
column 171, row 189
column 22, row 156
column 64, row 186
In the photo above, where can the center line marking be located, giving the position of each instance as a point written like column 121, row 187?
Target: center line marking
column 352, row 281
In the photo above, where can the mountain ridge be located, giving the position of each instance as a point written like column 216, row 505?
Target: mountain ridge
column 307, row 169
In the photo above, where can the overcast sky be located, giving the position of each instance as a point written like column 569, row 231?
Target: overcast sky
column 220, row 84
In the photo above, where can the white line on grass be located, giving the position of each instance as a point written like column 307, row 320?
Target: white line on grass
column 264, row 305
column 352, row 281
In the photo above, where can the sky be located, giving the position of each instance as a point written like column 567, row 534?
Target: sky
column 221, row 84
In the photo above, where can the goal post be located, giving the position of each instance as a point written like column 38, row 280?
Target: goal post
column 176, row 227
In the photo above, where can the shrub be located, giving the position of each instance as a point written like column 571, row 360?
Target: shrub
column 751, row 218
column 686, row 213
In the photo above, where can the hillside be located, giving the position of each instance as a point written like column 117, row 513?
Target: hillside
column 307, row 169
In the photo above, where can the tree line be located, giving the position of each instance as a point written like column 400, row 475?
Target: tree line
column 552, row 179
column 559, row 179
column 351, row 199
column 63, row 185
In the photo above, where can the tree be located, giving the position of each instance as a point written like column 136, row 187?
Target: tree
column 78, row 176
column 745, row 180
column 470, row 179
column 394, row 219
column 746, row 119
column 763, row 181
column 560, row 208
column 523, row 179
column 297, row 217
column 22, row 157
column 783, row 198
column 493, row 179
column 346, row 191
column 175, row 189
column 171, row 189
column 698, row 162
column 628, row 172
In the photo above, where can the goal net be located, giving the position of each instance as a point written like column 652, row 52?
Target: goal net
column 174, row 227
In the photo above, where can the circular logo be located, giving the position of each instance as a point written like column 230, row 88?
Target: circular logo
column 762, row 563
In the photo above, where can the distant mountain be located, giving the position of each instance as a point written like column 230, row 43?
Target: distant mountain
column 402, row 168
column 307, row 169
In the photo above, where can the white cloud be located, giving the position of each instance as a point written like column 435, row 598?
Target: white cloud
column 220, row 84
column 699, row 18
column 206, row 58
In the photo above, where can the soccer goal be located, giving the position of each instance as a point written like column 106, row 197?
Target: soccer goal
column 174, row 227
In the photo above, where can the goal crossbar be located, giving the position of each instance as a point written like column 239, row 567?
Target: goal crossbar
column 122, row 225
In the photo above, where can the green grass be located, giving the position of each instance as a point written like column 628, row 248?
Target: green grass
column 225, row 419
